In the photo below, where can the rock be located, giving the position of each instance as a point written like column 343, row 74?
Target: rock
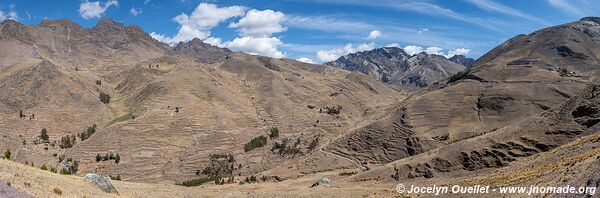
column 101, row 181
column 323, row 181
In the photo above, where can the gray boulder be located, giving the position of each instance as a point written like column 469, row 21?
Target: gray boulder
column 323, row 181
column 104, row 183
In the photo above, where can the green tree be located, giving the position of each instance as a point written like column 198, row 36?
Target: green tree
column 7, row 154
column 274, row 133
column 104, row 98
column 44, row 135
column 117, row 158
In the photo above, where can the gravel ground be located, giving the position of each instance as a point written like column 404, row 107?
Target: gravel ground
column 9, row 192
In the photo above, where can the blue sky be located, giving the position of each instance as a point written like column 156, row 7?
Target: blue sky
column 319, row 30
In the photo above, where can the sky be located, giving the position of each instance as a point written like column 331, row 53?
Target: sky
column 318, row 31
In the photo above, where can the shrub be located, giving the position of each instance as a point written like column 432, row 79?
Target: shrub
column 44, row 135
column 118, row 177
column 117, row 158
column 104, row 98
column 67, row 142
column 257, row 142
column 44, row 167
column 287, row 147
column 313, row 144
column 98, row 157
column 98, row 82
column 7, row 154
column 88, row 132
column 333, row 110
column 58, row 191
column 347, row 173
column 198, row 181
column 274, row 133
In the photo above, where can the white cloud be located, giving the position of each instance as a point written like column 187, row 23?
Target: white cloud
column 256, row 31
column 213, row 41
column 306, row 60
column 374, row 35
column 12, row 14
column 497, row 7
column 266, row 46
column 199, row 23
column 159, row 37
column 326, row 24
column 333, row 54
column 421, row 30
column 459, row 51
column 567, row 6
column 146, row 2
column 434, row 50
column 135, row 12
column 393, row 45
column 262, row 23
column 413, row 49
column 95, row 9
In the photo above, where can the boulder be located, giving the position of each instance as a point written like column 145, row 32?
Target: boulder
column 323, row 181
column 102, row 182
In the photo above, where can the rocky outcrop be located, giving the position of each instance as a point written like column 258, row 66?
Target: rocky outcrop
column 202, row 51
column 396, row 68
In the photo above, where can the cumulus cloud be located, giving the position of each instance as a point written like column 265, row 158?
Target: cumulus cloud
column 393, row 45
column 256, row 31
column 413, row 49
column 434, row 50
column 12, row 14
column 213, row 41
column 333, row 54
column 260, row 23
column 306, row 60
column 199, row 23
column 266, row 46
column 459, row 51
column 135, row 12
column 95, row 9
column 374, row 35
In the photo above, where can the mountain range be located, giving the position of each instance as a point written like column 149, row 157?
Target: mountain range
column 403, row 72
column 525, row 113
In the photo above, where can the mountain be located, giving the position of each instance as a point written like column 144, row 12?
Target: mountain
column 401, row 71
column 202, row 51
column 530, row 95
column 526, row 113
column 170, row 110
column 462, row 60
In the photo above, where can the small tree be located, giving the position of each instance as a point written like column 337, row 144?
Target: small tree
column 44, row 135
column 104, row 98
column 117, row 158
column 7, row 154
column 274, row 133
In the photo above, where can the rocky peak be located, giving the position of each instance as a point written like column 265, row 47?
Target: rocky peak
column 594, row 19
column 462, row 60
column 196, row 48
column 11, row 29
column 108, row 27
